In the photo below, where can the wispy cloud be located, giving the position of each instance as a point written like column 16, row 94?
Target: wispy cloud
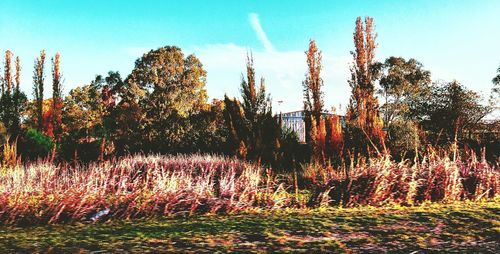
column 283, row 72
column 257, row 27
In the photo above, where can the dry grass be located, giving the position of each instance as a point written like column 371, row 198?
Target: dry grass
column 138, row 186
column 149, row 186
column 380, row 181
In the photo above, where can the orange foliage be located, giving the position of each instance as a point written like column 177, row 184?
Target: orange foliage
column 336, row 141
column 322, row 137
column 318, row 139
column 7, row 74
column 363, row 105
column 48, row 116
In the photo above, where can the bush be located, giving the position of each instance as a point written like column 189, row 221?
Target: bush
column 35, row 144
column 76, row 146
column 402, row 139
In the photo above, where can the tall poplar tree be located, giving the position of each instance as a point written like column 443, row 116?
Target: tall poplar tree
column 38, row 79
column 6, row 87
column 56, row 96
column 313, row 96
column 6, row 97
column 18, row 99
column 363, row 109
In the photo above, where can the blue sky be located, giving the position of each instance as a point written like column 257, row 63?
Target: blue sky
column 453, row 39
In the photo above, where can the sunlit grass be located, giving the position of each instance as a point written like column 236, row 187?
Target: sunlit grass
column 461, row 227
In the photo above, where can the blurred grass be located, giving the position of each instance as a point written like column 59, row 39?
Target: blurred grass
column 433, row 228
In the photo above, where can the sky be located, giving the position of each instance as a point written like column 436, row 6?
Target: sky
column 454, row 39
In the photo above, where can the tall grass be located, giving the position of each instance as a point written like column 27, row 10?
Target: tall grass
column 379, row 181
column 146, row 186
column 137, row 186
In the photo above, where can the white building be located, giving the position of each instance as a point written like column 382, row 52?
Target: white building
column 295, row 121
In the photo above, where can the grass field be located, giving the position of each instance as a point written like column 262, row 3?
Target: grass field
column 471, row 227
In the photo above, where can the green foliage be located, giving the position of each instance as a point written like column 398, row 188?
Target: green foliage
column 35, row 144
column 83, row 108
column 163, row 90
column 403, row 138
column 38, row 80
column 3, row 133
column 402, row 83
column 168, row 82
column 293, row 153
column 449, row 110
column 208, row 132
column 254, row 132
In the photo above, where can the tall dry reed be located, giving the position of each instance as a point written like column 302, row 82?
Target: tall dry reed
column 136, row 186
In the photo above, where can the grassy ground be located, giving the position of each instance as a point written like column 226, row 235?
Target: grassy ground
column 431, row 228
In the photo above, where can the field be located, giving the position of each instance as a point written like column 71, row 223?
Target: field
column 471, row 227
column 202, row 203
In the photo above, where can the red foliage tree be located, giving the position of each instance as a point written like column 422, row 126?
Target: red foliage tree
column 363, row 105
column 336, row 138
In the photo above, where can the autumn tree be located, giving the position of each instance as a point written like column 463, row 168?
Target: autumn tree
column 335, row 137
column 363, row 110
column 57, row 101
column 313, row 96
column 19, row 101
column 38, row 80
column 7, row 85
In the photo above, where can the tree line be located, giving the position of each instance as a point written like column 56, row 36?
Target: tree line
column 162, row 107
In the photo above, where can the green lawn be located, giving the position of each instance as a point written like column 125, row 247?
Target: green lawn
column 460, row 227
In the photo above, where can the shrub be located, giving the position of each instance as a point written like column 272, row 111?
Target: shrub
column 403, row 138
column 35, row 144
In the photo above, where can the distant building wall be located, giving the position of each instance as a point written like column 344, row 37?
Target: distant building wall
column 295, row 121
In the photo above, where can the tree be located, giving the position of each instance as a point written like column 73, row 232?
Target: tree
column 496, row 80
column 254, row 132
column 362, row 110
column 313, row 104
column 313, row 96
column 38, row 80
column 335, row 139
column 169, row 81
column 83, row 109
column 57, row 101
column 11, row 99
column 495, row 92
column 19, row 101
column 167, row 87
column 6, row 96
column 208, row 132
column 402, row 83
column 7, row 86
column 89, row 122
column 449, row 111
